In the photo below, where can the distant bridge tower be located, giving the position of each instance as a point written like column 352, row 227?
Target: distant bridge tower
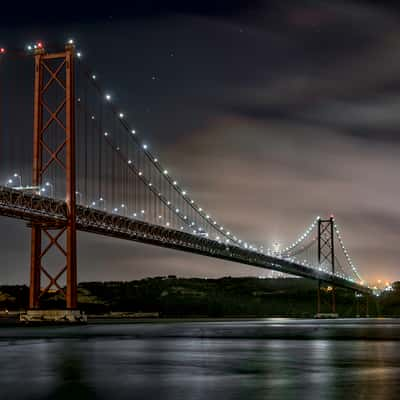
column 54, row 149
column 326, row 254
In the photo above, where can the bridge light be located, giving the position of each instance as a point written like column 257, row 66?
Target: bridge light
column 184, row 192
column 129, row 161
column 140, row 173
column 108, row 97
column 79, row 54
column 105, row 133
column 156, row 160
column 165, row 172
column 121, row 115
column 174, row 183
column 133, row 132
column 145, row 146
column 142, row 211
column 29, row 47
column 94, row 77
column 39, row 45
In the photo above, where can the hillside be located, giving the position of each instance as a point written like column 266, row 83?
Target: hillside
column 177, row 297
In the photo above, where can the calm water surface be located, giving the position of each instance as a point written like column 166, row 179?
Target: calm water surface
column 202, row 360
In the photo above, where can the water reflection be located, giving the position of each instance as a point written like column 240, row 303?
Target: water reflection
column 115, row 367
column 70, row 381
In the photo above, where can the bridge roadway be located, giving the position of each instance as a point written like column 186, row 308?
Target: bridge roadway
column 34, row 208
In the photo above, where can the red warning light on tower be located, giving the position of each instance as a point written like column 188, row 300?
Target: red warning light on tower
column 2, row 50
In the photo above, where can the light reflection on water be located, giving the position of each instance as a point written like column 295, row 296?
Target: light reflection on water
column 124, row 367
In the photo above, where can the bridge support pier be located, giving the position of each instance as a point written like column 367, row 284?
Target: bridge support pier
column 357, row 305
column 360, row 306
column 331, row 304
column 53, row 316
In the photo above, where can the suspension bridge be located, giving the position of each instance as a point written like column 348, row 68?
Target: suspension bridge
column 91, row 171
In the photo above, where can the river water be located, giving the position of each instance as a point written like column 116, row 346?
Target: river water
column 256, row 359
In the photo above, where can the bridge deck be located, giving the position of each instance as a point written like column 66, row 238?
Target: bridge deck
column 34, row 208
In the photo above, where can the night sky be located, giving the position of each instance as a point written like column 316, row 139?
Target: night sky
column 270, row 113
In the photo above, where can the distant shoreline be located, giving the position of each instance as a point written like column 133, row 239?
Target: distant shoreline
column 195, row 298
column 245, row 329
column 13, row 321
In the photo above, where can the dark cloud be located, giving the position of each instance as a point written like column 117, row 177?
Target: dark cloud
column 90, row 11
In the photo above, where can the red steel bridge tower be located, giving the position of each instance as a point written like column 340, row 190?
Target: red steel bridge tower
column 326, row 255
column 54, row 147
